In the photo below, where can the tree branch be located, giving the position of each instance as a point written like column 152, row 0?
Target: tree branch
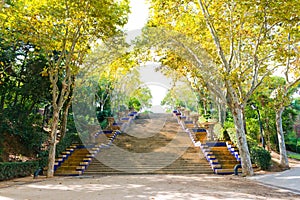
column 214, row 35
column 231, row 36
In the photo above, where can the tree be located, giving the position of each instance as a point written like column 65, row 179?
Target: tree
column 282, row 95
column 23, row 91
column 267, row 97
column 63, row 30
column 142, row 96
column 238, row 37
column 181, row 95
column 286, row 55
column 113, row 65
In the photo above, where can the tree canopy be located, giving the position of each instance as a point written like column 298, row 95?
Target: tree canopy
column 64, row 32
column 240, row 37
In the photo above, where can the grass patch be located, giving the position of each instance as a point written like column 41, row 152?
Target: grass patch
column 294, row 156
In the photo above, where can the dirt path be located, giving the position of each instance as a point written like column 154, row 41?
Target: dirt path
column 154, row 187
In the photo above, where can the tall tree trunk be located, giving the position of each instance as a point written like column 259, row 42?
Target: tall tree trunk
column 204, row 107
column 237, row 112
column 52, row 145
column 268, row 133
column 282, row 149
column 244, row 120
column 2, row 100
column 222, row 113
column 58, row 100
column 64, row 120
column 101, row 107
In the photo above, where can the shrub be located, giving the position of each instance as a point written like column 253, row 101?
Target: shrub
column 230, row 131
column 9, row 170
column 292, row 142
column 293, row 147
column 42, row 158
column 261, row 157
column 226, row 135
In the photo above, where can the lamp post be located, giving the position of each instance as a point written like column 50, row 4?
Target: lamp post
column 260, row 124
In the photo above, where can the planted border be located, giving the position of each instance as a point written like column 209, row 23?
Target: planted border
column 9, row 170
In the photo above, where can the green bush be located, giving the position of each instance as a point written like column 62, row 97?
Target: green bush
column 292, row 142
column 230, row 131
column 134, row 103
column 261, row 157
column 293, row 147
column 43, row 159
column 26, row 129
column 226, row 136
column 9, row 170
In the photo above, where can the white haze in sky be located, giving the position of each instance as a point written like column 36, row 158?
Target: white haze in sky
column 137, row 19
column 138, row 16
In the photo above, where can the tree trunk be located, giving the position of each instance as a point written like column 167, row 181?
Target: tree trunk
column 101, row 107
column 52, row 146
column 58, row 99
column 222, row 113
column 283, row 155
column 268, row 133
column 2, row 100
column 204, row 108
column 64, row 121
column 244, row 120
column 237, row 112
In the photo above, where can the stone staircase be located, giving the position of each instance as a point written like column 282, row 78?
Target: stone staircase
column 225, row 159
column 153, row 144
column 75, row 164
column 75, row 160
column 222, row 156
column 188, row 163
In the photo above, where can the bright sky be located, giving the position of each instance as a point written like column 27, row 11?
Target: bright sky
column 138, row 16
column 159, row 93
column 137, row 19
column 157, row 83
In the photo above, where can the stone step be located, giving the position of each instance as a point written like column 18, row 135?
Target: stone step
column 173, row 149
column 224, row 162
column 68, row 173
column 150, row 168
column 98, row 166
column 87, row 173
column 226, row 171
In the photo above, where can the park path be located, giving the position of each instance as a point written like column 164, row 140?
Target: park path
column 145, row 187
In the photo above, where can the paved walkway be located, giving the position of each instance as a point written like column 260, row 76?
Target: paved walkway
column 273, row 186
column 144, row 187
column 289, row 179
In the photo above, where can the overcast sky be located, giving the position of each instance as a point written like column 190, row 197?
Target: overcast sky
column 138, row 16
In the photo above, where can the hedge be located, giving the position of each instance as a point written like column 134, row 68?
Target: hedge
column 261, row 157
column 9, row 170
column 293, row 147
